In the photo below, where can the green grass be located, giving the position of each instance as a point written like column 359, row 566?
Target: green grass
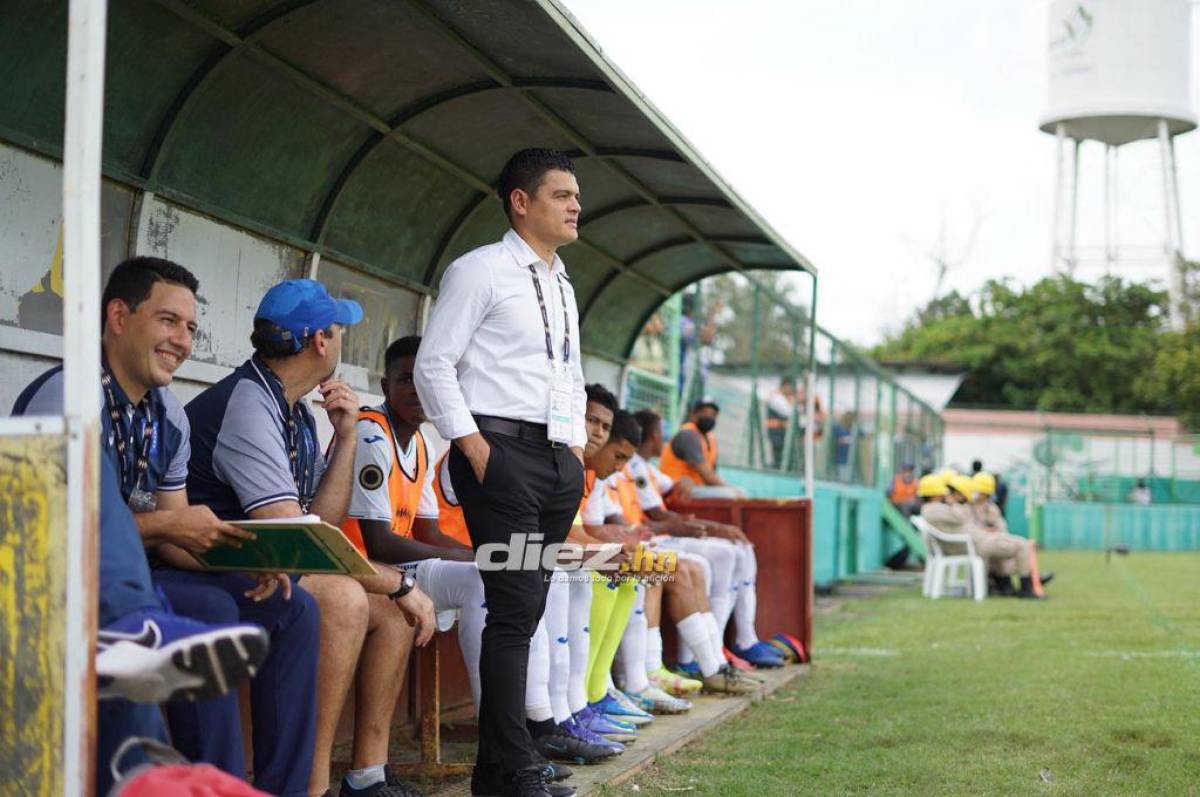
column 1098, row 687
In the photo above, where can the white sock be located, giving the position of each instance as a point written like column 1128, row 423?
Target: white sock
column 580, row 611
column 456, row 585
column 653, row 649
column 746, row 607
column 367, row 776
column 632, row 653
column 537, row 678
column 557, row 620
column 722, row 592
column 695, row 629
column 714, row 629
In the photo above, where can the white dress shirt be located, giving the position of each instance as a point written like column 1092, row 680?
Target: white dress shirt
column 484, row 348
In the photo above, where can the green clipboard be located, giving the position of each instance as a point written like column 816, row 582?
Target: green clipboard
column 289, row 545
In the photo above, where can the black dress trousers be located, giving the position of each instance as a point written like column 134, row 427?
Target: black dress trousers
column 528, row 488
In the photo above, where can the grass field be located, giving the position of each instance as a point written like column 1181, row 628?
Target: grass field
column 1096, row 691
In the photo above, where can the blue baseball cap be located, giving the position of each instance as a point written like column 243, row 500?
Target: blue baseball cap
column 301, row 307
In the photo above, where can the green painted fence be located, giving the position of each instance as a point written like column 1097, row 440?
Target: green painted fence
column 1094, row 526
column 849, row 535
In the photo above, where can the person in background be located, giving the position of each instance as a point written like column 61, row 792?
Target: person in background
column 692, row 452
column 903, row 491
column 780, row 407
column 692, row 336
column 1140, row 494
column 902, row 494
column 998, row 548
column 843, row 439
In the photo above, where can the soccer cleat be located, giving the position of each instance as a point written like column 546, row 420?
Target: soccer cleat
column 615, row 730
column 673, row 683
column 490, row 782
column 156, row 656
column 729, row 681
column 760, row 654
column 656, row 701
column 577, row 729
column 615, row 705
column 562, row 745
column 791, row 643
column 689, row 670
column 737, row 661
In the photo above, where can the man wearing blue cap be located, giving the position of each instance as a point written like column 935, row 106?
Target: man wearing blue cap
column 255, row 454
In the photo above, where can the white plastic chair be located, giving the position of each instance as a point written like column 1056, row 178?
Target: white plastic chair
column 945, row 572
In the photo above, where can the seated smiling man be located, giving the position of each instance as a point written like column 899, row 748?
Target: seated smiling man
column 255, row 454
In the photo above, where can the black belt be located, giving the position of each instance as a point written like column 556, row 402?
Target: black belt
column 523, row 430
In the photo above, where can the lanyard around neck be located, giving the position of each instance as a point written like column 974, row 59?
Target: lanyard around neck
column 132, row 471
column 537, row 286
column 302, row 476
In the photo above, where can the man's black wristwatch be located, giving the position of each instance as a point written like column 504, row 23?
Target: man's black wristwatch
column 407, row 583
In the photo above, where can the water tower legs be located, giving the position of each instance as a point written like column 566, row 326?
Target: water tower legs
column 1066, row 201
column 1173, row 242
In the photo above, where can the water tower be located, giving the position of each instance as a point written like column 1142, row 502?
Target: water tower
column 1119, row 73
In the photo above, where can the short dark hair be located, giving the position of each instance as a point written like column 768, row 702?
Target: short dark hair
column 648, row 420
column 271, row 343
column 133, row 279
column 526, row 170
column 402, row 347
column 976, row 466
column 625, row 427
column 599, row 394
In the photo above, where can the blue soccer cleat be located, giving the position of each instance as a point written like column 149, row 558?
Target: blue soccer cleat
column 760, row 654
column 156, row 656
column 576, row 728
column 615, row 730
column 616, row 705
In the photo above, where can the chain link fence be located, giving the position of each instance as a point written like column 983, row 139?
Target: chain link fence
column 865, row 424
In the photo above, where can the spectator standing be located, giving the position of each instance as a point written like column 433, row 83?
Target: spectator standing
column 780, row 407
column 499, row 374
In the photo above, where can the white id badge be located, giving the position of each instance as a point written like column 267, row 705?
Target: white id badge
column 560, row 419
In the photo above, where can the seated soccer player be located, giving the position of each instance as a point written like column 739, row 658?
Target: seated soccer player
column 686, row 590
column 733, row 560
column 255, row 454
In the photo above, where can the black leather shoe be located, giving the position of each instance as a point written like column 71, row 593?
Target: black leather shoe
column 490, row 783
column 531, row 782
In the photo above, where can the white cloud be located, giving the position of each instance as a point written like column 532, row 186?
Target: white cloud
column 855, row 126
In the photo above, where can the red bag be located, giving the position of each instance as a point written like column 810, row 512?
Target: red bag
column 170, row 775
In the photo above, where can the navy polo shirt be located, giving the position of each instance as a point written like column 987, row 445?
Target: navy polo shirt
column 241, row 445
column 167, row 468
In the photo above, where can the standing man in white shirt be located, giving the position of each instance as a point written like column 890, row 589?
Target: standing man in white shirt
column 499, row 374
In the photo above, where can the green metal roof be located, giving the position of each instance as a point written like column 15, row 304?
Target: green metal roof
column 372, row 131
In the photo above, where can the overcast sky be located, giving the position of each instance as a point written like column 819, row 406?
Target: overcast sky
column 856, row 126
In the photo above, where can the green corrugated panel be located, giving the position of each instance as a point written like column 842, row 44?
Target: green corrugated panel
column 1092, row 526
